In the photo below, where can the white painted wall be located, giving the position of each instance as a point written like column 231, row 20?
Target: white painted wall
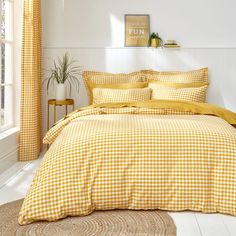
column 89, row 23
column 93, row 32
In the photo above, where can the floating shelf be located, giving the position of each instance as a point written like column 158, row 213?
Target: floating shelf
column 171, row 46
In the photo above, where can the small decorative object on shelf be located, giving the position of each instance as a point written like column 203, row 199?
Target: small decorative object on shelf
column 137, row 30
column 155, row 40
column 171, row 44
column 64, row 71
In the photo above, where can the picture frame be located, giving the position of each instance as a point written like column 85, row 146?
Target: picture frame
column 137, row 30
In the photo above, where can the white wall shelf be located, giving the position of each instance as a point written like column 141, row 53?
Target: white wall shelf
column 132, row 48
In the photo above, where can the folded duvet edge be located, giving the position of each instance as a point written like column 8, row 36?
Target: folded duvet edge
column 183, row 106
column 195, row 107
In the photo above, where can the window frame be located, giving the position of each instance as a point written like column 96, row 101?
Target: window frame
column 11, row 43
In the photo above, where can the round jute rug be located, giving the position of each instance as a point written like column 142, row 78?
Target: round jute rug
column 99, row 223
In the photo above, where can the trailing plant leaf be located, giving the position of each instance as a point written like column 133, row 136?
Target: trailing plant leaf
column 70, row 86
column 153, row 36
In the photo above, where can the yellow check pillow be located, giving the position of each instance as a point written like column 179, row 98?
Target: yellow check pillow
column 92, row 86
column 106, row 95
column 194, row 76
column 195, row 94
column 157, row 84
column 99, row 78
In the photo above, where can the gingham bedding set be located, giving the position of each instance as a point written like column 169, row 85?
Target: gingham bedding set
column 180, row 94
column 165, row 155
column 101, row 95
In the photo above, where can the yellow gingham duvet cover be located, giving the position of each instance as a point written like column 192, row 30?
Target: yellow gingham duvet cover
column 136, row 156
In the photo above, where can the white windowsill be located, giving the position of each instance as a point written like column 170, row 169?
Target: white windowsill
column 9, row 132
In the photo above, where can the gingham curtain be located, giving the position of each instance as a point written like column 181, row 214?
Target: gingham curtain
column 30, row 120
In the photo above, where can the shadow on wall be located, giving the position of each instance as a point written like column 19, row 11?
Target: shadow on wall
column 75, row 24
column 191, row 59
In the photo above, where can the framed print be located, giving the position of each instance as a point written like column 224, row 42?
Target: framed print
column 136, row 30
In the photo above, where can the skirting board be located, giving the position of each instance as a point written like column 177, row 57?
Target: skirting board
column 8, row 159
column 9, row 145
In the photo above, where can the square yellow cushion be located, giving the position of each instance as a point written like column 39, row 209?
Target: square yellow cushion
column 92, row 78
column 195, row 94
column 106, row 95
column 194, row 76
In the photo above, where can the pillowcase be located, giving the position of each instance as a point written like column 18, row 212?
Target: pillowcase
column 92, row 86
column 93, row 77
column 157, row 84
column 194, row 76
column 106, row 95
column 197, row 94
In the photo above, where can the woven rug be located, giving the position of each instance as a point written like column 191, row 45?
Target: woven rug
column 99, row 223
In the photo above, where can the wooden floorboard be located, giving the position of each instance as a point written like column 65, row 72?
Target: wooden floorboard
column 211, row 225
column 230, row 223
column 186, row 223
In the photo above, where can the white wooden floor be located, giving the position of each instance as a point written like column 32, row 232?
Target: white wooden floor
column 16, row 180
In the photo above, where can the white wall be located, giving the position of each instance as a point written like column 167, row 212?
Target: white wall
column 80, row 23
column 93, row 32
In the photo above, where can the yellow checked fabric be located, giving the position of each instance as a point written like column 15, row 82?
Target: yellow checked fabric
column 104, row 95
column 30, row 110
column 93, row 77
column 180, row 94
column 121, row 85
column 194, row 76
column 157, row 84
column 92, row 86
column 135, row 158
column 117, row 78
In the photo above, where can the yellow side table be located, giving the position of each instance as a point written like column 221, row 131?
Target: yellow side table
column 55, row 103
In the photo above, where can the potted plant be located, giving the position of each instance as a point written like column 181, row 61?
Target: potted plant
column 155, row 40
column 63, row 72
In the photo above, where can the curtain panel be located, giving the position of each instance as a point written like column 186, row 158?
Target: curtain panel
column 31, row 82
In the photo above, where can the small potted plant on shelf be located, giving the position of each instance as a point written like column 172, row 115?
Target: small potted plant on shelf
column 64, row 71
column 155, row 40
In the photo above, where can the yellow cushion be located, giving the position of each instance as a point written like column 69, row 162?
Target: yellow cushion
column 157, row 84
column 94, row 77
column 92, row 86
column 106, row 95
column 197, row 94
column 194, row 76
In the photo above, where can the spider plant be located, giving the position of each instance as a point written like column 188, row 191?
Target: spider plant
column 65, row 70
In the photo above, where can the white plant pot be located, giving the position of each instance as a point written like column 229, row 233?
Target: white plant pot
column 60, row 92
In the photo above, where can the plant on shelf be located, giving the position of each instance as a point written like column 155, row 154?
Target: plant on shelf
column 156, row 40
column 64, row 71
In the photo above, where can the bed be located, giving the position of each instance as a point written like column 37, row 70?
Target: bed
column 168, row 155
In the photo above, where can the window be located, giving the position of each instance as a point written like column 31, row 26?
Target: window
column 6, row 64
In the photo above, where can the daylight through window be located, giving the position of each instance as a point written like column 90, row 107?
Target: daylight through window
column 6, row 64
